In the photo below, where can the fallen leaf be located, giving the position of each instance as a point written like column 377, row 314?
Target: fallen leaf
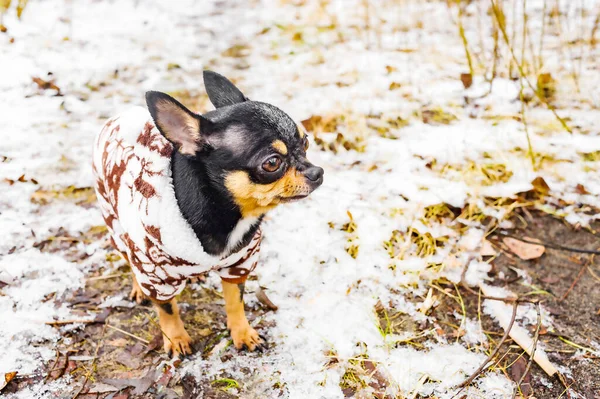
column 466, row 79
column 45, row 84
column 140, row 385
column 8, row 377
column 325, row 124
column 80, row 195
column 102, row 388
column 540, row 185
column 546, row 86
column 580, row 189
column 389, row 69
column 264, row 299
column 5, row 278
column 524, row 250
column 165, row 378
column 487, row 249
column 436, row 116
column 516, row 372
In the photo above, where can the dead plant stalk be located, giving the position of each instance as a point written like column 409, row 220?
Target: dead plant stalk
column 521, row 70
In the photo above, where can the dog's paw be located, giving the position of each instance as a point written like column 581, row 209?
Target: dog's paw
column 137, row 296
column 246, row 337
column 179, row 345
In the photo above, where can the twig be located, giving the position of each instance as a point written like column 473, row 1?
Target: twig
column 594, row 275
column 461, row 32
column 583, row 348
column 516, row 300
column 495, row 351
column 532, row 356
column 128, row 334
column 521, row 97
column 522, row 72
column 73, row 321
column 540, row 59
column 89, row 373
column 522, row 338
column 53, row 366
column 107, row 277
column 64, row 368
column 550, row 245
column 581, row 271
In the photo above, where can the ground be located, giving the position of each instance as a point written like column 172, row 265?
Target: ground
column 442, row 127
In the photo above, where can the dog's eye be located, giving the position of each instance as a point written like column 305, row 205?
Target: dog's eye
column 272, row 164
column 305, row 144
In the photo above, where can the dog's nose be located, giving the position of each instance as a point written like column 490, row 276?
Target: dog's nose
column 314, row 173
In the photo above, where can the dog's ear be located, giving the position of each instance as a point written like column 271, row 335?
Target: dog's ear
column 221, row 91
column 177, row 123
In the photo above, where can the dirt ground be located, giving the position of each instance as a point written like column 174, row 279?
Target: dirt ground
column 573, row 300
column 125, row 339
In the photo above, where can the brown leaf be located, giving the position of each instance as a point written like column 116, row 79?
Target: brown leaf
column 80, row 195
column 516, row 372
column 141, row 385
column 546, row 86
column 540, row 185
column 318, row 123
column 45, row 84
column 466, row 79
column 264, row 299
column 580, row 189
column 524, row 250
column 8, row 377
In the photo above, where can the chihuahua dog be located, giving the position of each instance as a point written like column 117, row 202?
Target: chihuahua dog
column 183, row 193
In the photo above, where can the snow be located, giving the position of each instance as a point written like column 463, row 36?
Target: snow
column 326, row 298
column 26, row 307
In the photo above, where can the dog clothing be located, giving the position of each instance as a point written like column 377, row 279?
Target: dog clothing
column 132, row 168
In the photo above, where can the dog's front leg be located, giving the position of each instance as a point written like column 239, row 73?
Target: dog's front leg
column 176, row 339
column 137, row 294
column 242, row 334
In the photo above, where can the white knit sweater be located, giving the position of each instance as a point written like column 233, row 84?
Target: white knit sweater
column 131, row 163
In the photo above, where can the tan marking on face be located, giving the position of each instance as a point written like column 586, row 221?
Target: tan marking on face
column 256, row 199
column 280, row 147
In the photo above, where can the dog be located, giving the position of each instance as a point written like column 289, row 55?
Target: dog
column 183, row 193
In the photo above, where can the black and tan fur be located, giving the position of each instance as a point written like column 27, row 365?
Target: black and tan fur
column 232, row 165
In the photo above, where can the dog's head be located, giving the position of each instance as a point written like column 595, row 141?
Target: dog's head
column 252, row 150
